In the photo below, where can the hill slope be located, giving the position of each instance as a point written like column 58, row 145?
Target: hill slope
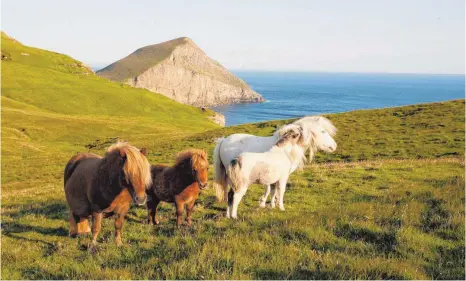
column 52, row 105
column 180, row 70
column 389, row 204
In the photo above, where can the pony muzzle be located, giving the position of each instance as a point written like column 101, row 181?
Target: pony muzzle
column 140, row 200
column 202, row 186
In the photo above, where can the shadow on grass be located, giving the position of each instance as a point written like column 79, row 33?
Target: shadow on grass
column 53, row 210
column 448, row 264
column 13, row 230
column 9, row 228
column 209, row 203
column 37, row 273
column 299, row 274
column 318, row 273
column 384, row 241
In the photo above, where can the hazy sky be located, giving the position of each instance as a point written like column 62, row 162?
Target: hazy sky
column 424, row 36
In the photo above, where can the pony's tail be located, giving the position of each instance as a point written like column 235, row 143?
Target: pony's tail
column 234, row 173
column 69, row 169
column 220, row 181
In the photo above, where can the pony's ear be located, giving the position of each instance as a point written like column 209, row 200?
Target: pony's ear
column 301, row 135
column 123, row 157
column 144, row 151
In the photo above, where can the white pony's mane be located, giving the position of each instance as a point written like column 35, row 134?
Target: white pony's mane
column 297, row 152
column 306, row 123
column 324, row 122
column 285, row 128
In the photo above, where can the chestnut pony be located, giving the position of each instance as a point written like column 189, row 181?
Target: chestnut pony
column 180, row 184
column 95, row 185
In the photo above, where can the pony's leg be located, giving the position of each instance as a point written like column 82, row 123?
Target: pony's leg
column 274, row 198
column 281, row 189
column 120, row 217
column 96, row 226
column 83, row 226
column 152, row 211
column 264, row 197
column 230, row 203
column 179, row 204
column 73, row 225
column 236, row 199
column 189, row 212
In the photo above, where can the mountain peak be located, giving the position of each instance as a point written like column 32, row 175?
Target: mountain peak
column 179, row 69
column 185, row 40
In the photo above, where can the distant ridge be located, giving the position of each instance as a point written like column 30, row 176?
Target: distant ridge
column 179, row 69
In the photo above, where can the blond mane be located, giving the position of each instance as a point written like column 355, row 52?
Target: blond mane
column 137, row 167
column 198, row 158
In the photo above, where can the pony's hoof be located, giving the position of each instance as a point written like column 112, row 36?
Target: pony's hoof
column 92, row 248
column 119, row 243
column 262, row 205
column 150, row 222
column 282, row 208
column 273, row 206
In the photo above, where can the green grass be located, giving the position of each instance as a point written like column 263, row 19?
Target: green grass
column 53, row 107
column 417, row 131
column 388, row 204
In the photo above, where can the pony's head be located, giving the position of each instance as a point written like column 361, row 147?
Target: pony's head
column 195, row 161
column 135, row 169
column 291, row 135
column 320, row 132
column 293, row 143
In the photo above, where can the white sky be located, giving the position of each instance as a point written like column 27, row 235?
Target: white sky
column 415, row 36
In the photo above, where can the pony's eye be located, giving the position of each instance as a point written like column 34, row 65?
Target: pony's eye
column 323, row 131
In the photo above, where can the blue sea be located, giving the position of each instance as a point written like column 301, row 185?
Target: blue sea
column 294, row 94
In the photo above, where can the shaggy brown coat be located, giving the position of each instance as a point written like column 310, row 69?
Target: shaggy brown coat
column 180, row 184
column 95, row 184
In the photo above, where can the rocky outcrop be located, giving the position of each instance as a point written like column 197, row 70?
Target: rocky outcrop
column 218, row 119
column 180, row 70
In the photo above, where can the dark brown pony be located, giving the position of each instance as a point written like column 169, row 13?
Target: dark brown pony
column 95, row 184
column 179, row 184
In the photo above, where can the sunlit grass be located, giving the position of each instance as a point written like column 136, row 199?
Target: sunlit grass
column 388, row 204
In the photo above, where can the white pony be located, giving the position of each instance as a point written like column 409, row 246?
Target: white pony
column 267, row 167
column 318, row 134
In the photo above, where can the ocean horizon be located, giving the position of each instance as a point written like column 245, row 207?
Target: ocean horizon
column 291, row 94
column 296, row 94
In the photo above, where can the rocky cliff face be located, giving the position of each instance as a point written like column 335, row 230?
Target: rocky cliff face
column 180, row 70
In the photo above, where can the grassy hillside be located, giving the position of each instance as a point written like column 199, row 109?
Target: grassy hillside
column 391, row 215
column 388, row 204
column 53, row 106
column 417, row 131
